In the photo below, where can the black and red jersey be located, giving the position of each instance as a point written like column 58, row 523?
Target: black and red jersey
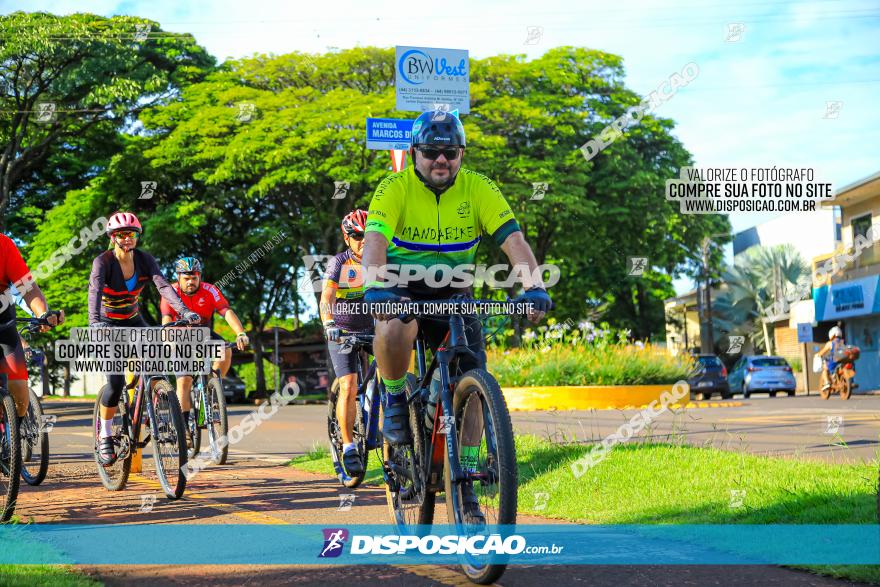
column 110, row 298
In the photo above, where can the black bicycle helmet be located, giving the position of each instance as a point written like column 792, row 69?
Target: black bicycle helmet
column 438, row 128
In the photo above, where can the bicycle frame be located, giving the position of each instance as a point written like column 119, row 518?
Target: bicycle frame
column 135, row 409
column 368, row 406
column 455, row 343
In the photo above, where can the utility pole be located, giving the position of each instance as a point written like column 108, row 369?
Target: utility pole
column 707, row 340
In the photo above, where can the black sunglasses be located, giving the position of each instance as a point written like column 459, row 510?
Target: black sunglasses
column 432, row 153
column 356, row 237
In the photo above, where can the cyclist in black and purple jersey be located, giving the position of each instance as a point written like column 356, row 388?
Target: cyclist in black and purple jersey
column 118, row 277
column 342, row 309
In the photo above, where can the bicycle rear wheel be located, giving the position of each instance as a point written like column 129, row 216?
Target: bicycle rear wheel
column 115, row 476
column 488, row 456
column 409, row 501
column 217, row 421
column 10, row 456
column 34, row 443
column 169, row 443
column 335, row 436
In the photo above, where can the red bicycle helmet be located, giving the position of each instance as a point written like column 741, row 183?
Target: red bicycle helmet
column 124, row 221
column 354, row 223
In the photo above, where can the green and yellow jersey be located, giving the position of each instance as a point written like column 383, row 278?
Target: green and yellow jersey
column 426, row 229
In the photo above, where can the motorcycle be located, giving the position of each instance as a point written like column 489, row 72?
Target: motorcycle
column 842, row 377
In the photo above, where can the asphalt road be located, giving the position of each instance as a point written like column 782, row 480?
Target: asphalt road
column 256, row 488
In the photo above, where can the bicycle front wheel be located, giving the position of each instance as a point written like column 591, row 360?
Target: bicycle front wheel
column 167, row 435
column 115, row 476
column 194, row 425
column 217, row 421
column 10, row 457
column 487, row 457
column 34, row 443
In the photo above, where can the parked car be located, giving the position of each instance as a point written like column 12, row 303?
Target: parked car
column 233, row 388
column 709, row 378
column 761, row 373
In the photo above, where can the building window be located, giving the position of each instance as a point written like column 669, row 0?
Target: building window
column 860, row 226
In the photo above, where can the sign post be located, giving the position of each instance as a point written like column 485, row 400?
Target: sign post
column 392, row 134
column 805, row 336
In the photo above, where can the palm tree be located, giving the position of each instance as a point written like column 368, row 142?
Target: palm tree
column 761, row 280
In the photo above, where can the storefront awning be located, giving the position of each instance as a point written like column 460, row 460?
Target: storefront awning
column 846, row 299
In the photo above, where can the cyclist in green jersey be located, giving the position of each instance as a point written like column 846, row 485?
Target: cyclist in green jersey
column 435, row 213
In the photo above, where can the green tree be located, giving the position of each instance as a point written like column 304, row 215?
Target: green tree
column 761, row 280
column 68, row 86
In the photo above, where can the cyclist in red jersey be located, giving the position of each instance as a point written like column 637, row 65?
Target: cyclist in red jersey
column 118, row 277
column 14, row 272
column 205, row 300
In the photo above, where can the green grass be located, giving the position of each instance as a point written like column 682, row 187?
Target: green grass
column 43, row 575
column 681, row 484
column 671, row 484
column 318, row 461
column 584, row 364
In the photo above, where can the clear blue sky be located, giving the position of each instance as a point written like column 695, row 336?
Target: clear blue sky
column 760, row 101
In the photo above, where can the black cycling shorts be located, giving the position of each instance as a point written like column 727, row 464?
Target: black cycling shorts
column 435, row 329
column 111, row 392
column 13, row 363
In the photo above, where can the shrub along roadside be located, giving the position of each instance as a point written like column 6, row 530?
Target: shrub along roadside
column 587, row 365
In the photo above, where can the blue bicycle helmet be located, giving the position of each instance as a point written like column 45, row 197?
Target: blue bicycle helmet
column 188, row 265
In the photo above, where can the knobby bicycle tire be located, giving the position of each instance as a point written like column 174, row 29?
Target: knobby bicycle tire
column 10, row 458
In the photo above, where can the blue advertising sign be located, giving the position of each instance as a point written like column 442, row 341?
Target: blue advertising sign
column 384, row 134
column 427, row 78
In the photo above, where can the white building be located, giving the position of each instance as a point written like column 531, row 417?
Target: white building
column 811, row 233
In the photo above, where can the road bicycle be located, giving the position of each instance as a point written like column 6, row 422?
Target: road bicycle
column 366, row 433
column 155, row 404
column 469, row 441
column 13, row 442
column 209, row 413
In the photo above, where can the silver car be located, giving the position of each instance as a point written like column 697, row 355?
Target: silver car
column 762, row 374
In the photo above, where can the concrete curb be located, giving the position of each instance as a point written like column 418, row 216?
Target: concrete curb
column 595, row 397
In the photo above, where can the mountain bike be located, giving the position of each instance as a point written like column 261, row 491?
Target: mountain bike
column 366, row 424
column 33, row 431
column 470, row 440
column 209, row 413
column 12, row 443
column 10, row 453
column 155, row 404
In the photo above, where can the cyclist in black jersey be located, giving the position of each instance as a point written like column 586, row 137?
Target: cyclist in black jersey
column 117, row 280
column 342, row 309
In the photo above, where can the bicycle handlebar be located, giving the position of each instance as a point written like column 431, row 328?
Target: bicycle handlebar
column 33, row 323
